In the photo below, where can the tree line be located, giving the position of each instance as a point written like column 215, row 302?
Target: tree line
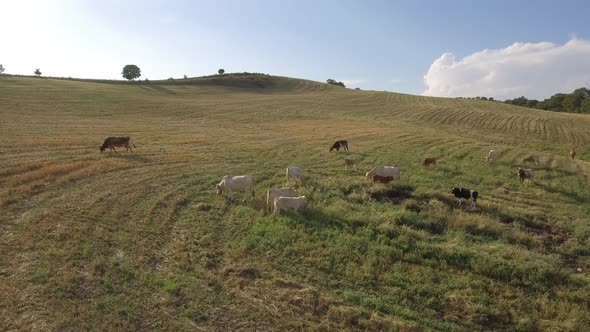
column 575, row 102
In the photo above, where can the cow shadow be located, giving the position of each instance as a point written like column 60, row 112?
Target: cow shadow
column 314, row 218
column 571, row 195
column 132, row 157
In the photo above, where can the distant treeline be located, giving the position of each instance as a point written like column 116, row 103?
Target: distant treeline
column 575, row 102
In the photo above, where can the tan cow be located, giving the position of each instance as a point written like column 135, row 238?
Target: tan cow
column 288, row 203
column 573, row 154
column 273, row 193
column 349, row 162
column 531, row 159
column 429, row 161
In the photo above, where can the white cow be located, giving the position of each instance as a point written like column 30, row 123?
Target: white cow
column 273, row 193
column 384, row 172
column 492, row 155
column 229, row 184
column 291, row 203
column 294, row 172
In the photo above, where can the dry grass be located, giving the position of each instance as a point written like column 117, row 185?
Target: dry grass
column 139, row 240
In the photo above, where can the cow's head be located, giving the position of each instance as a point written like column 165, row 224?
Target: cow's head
column 102, row 148
column 218, row 187
column 456, row 191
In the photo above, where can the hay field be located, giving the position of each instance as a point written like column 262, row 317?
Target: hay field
column 140, row 241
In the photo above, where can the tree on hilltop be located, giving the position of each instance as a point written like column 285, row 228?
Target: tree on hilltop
column 1, row 69
column 37, row 72
column 333, row 82
column 221, row 71
column 131, row 72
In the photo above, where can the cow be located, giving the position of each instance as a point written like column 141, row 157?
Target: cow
column 273, row 193
column 349, row 162
column 117, row 141
column 288, row 203
column 492, row 155
column 524, row 174
column 462, row 193
column 573, row 154
column 429, row 161
column 384, row 172
column 294, row 172
column 381, row 179
column 230, row 184
column 531, row 159
column 340, row 144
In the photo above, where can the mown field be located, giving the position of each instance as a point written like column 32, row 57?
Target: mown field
column 139, row 241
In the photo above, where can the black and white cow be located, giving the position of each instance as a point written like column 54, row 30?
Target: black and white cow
column 462, row 193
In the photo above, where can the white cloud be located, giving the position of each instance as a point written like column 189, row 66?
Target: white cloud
column 533, row 70
column 396, row 81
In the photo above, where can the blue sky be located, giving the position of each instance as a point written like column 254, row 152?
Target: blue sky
column 380, row 45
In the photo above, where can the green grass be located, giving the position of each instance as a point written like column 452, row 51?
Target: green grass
column 137, row 241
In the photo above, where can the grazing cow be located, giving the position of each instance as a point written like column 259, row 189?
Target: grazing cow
column 348, row 162
column 492, row 155
column 272, row 193
column 294, row 172
column 117, row 141
column 531, row 159
column 524, row 174
column 384, row 172
column 340, row 144
column 288, row 203
column 229, row 184
column 573, row 154
column 462, row 193
column 381, row 179
column 429, row 161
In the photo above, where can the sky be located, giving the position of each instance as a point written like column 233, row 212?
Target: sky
column 501, row 49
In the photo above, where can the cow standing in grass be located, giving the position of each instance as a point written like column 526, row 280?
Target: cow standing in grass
column 340, row 144
column 117, row 141
column 288, row 203
column 492, row 155
column 525, row 174
column 462, row 193
column 295, row 173
column 429, row 161
column 531, row 159
column 273, row 193
column 230, row 184
column 573, row 154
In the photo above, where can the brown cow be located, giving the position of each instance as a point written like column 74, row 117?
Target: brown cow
column 573, row 154
column 429, row 161
column 531, row 159
column 117, row 141
column 525, row 174
column 381, row 179
column 349, row 162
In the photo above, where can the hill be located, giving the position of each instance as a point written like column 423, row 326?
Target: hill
column 137, row 241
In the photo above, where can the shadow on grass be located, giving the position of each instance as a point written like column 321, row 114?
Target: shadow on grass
column 571, row 195
column 132, row 156
column 315, row 218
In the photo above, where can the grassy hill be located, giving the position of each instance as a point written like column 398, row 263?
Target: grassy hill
column 136, row 241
